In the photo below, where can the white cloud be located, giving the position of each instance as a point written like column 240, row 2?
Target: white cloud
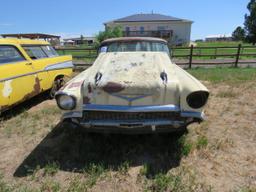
column 6, row 24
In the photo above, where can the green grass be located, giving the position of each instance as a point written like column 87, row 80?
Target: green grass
column 51, row 168
column 87, row 56
column 90, row 55
column 221, row 44
column 164, row 182
column 93, row 173
column 227, row 75
column 202, row 142
column 218, row 51
column 186, row 147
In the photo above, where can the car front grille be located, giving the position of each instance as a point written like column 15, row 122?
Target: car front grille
column 130, row 116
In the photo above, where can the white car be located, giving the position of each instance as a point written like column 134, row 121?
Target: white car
column 133, row 87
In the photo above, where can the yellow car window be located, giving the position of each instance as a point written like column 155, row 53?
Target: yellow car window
column 10, row 54
column 50, row 52
column 35, row 52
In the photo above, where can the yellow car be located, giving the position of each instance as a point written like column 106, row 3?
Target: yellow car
column 29, row 67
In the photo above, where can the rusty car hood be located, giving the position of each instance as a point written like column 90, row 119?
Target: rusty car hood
column 131, row 78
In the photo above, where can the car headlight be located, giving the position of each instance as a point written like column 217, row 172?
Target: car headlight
column 66, row 102
column 197, row 99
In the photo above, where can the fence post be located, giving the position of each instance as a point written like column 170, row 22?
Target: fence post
column 216, row 50
column 238, row 55
column 191, row 56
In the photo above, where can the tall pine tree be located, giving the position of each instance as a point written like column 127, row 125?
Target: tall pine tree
column 250, row 22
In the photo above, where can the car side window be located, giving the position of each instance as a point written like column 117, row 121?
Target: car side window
column 50, row 51
column 35, row 52
column 10, row 54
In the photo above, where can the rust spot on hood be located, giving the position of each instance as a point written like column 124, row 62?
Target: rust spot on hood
column 75, row 84
column 112, row 87
column 86, row 100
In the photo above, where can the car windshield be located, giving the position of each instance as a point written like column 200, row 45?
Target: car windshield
column 135, row 46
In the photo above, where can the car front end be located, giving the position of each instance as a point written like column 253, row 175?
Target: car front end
column 134, row 92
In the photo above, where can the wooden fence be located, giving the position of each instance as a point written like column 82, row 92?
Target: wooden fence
column 191, row 56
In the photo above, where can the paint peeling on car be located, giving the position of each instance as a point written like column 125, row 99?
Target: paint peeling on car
column 7, row 90
column 75, row 84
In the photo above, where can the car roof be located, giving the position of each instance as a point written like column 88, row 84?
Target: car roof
column 133, row 39
column 14, row 41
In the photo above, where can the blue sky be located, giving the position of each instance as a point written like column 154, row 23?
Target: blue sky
column 75, row 17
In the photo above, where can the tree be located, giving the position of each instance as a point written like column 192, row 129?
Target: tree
column 82, row 39
column 239, row 34
column 250, row 22
column 109, row 33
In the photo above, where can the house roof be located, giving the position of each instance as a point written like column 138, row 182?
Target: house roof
column 30, row 35
column 148, row 18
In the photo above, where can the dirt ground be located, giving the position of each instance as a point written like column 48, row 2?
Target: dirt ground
column 39, row 153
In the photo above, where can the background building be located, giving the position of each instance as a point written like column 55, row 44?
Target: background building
column 79, row 41
column 224, row 37
column 174, row 30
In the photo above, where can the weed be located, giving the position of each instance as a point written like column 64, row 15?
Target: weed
column 51, row 186
column 124, row 167
column 246, row 189
column 185, row 146
column 164, row 182
column 93, row 172
column 76, row 185
column 51, row 169
column 202, row 142
column 144, row 171
column 4, row 187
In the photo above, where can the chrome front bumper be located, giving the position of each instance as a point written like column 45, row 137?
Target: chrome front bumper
column 184, row 117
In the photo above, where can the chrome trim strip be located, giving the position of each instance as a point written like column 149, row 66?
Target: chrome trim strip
column 59, row 66
column 17, row 76
column 130, row 99
column 133, row 123
column 67, row 64
column 72, row 114
column 160, row 108
column 198, row 115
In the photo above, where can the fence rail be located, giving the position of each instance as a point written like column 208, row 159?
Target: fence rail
column 189, row 56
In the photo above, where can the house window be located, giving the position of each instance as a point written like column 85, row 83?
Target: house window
column 141, row 30
column 161, row 28
column 127, row 31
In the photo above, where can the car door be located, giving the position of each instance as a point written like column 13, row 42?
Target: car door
column 18, row 80
column 39, row 60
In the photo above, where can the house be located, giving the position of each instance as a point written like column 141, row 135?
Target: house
column 79, row 41
column 222, row 37
column 174, row 30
